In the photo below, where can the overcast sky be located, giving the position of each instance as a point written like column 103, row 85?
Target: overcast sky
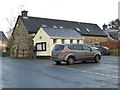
column 90, row 11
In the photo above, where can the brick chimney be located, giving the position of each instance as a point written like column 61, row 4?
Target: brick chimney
column 24, row 13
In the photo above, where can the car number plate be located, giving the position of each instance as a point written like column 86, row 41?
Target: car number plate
column 54, row 53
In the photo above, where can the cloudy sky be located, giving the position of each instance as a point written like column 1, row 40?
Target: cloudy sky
column 90, row 11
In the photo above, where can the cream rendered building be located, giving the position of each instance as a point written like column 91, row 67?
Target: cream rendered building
column 47, row 38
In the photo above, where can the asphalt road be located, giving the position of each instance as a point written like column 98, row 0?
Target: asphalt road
column 19, row 73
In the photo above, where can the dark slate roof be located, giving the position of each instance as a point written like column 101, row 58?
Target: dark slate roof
column 57, row 32
column 33, row 24
column 112, row 31
column 2, row 36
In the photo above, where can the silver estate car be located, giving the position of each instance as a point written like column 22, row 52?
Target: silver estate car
column 74, row 52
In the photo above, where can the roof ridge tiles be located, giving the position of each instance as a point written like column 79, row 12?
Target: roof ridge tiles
column 60, row 20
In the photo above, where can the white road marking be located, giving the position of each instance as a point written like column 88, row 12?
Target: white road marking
column 89, row 72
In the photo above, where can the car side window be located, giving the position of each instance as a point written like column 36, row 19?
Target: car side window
column 71, row 47
column 86, row 48
column 76, row 47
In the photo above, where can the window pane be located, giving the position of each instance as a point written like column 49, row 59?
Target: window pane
column 39, row 47
column 71, row 47
column 71, row 41
column 75, row 47
column 79, row 47
column 63, row 41
column 58, row 47
column 54, row 40
column 86, row 48
column 43, row 46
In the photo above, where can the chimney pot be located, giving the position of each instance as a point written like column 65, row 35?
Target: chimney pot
column 104, row 27
column 24, row 13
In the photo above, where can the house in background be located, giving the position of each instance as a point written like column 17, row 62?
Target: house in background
column 113, row 34
column 46, row 38
column 3, row 42
column 27, row 28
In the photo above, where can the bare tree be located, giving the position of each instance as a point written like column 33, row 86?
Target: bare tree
column 12, row 20
column 114, row 24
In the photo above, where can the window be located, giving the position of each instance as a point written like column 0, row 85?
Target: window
column 75, row 47
column 78, row 41
column 62, row 41
column 71, row 47
column 55, row 26
column 71, row 41
column 44, row 25
column 41, row 46
column 54, row 40
column 86, row 48
column 60, row 27
column 58, row 47
column 87, row 29
column 78, row 29
column 40, row 37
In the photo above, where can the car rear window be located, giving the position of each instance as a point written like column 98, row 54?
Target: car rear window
column 58, row 47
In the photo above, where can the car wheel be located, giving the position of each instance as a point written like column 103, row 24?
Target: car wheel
column 70, row 60
column 84, row 61
column 97, row 59
column 57, row 62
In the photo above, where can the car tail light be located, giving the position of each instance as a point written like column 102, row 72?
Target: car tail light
column 63, row 51
column 107, row 50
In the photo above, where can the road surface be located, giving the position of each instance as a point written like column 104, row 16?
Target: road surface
column 41, row 73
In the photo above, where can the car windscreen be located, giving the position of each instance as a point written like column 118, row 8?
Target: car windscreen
column 58, row 47
column 105, row 47
column 94, row 48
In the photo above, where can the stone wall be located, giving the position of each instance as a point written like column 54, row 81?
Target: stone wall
column 94, row 40
column 22, row 42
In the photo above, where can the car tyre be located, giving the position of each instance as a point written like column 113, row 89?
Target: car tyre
column 57, row 62
column 97, row 59
column 84, row 61
column 70, row 60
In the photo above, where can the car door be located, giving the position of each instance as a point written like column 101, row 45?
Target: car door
column 79, row 52
column 88, row 52
column 76, row 51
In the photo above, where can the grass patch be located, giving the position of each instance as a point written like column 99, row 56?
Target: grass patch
column 117, row 54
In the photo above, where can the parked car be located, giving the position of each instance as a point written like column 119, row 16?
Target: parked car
column 74, row 52
column 104, row 50
column 95, row 48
